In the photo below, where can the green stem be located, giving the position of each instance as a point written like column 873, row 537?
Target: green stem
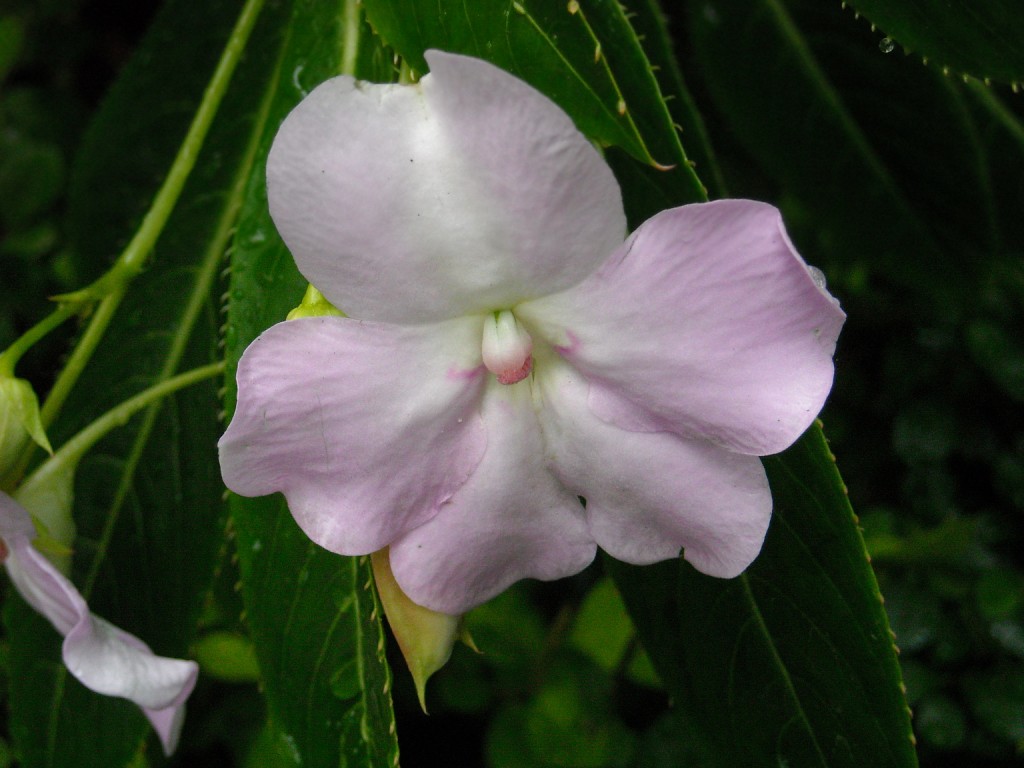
column 72, row 451
column 10, row 356
column 76, row 363
column 135, row 254
column 70, row 373
column 350, row 43
column 111, row 287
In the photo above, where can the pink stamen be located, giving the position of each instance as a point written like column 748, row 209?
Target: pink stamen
column 515, row 376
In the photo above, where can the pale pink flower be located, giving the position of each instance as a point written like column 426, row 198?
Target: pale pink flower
column 506, row 353
column 102, row 657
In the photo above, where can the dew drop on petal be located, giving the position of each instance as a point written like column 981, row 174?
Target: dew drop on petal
column 818, row 276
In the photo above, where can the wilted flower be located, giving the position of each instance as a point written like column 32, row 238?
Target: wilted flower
column 102, row 657
column 506, row 353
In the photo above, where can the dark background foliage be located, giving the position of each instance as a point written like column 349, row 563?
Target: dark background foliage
column 909, row 198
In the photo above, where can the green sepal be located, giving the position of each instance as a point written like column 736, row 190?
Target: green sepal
column 19, row 421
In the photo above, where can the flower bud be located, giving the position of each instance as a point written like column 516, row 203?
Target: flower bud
column 19, row 421
column 425, row 637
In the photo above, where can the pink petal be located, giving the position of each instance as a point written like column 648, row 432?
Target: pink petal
column 110, row 661
column 511, row 520
column 167, row 723
column 15, row 521
column 102, row 657
column 113, row 662
column 650, row 494
column 705, row 323
column 466, row 193
column 366, row 428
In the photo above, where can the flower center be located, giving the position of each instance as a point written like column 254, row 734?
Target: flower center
column 507, row 348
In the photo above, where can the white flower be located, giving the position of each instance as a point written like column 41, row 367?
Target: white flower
column 508, row 350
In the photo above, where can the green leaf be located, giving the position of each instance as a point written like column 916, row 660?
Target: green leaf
column 568, row 721
column 317, row 627
column 602, row 628
column 650, row 26
column 584, row 56
column 793, row 662
column 313, row 615
column 227, row 656
column 148, row 499
column 843, row 187
column 985, row 39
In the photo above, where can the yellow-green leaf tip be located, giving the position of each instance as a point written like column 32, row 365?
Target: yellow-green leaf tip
column 425, row 637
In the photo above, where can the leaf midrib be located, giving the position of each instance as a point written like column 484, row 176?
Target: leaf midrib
column 755, row 612
column 786, row 26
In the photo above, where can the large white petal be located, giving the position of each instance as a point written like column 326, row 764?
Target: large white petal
column 511, row 520
column 705, row 323
column 367, row 428
column 468, row 192
column 650, row 494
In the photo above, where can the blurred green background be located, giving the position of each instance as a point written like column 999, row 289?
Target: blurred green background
column 904, row 184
